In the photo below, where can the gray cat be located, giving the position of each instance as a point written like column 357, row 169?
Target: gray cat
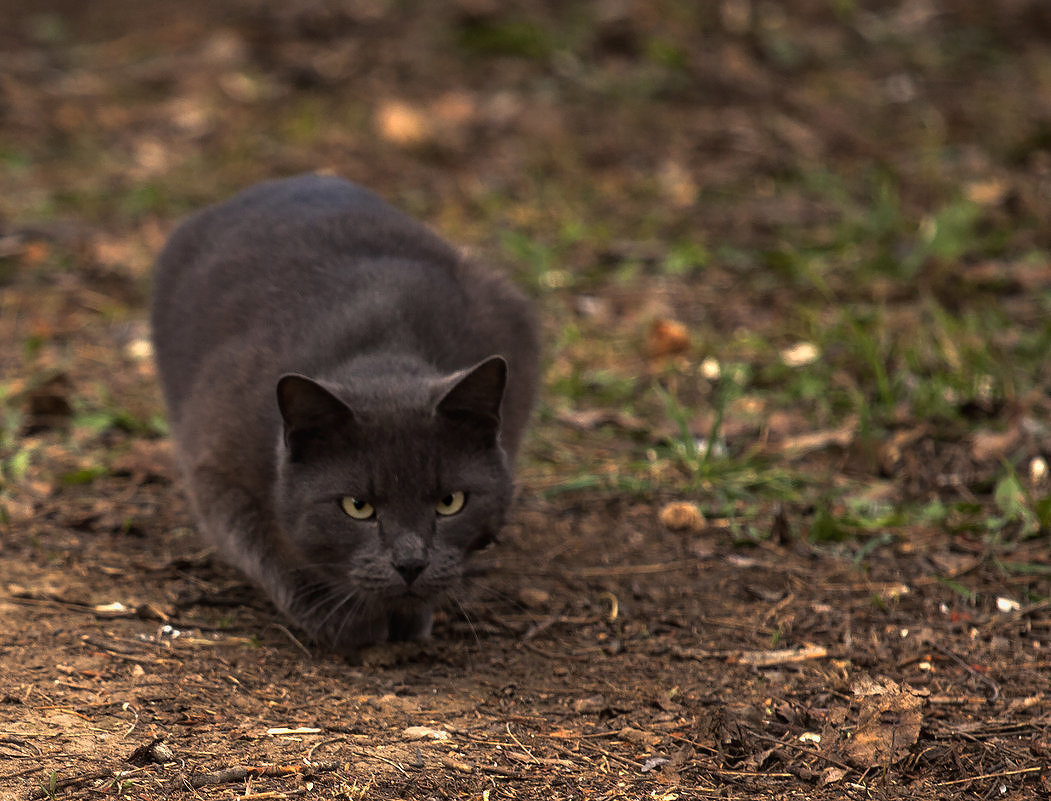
column 346, row 396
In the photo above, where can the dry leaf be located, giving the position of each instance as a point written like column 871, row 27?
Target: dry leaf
column 682, row 516
column 987, row 193
column 639, row 737
column 424, row 733
column 951, row 564
column 666, row 338
column 533, row 597
column 990, row 445
column 35, row 253
column 47, row 404
column 401, row 124
column 830, row 775
column 888, row 723
column 113, row 609
column 592, row 703
column 677, row 184
column 145, row 459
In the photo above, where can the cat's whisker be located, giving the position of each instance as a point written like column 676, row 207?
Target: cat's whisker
column 326, row 595
column 354, row 611
column 467, row 617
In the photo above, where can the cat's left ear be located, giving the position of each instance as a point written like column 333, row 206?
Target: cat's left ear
column 310, row 412
column 474, row 395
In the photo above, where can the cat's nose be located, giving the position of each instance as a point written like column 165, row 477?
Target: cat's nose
column 410, row 568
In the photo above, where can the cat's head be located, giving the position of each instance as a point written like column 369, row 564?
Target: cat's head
column 387, row 483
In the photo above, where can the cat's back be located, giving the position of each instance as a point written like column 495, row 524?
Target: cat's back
column 300, row 274
column 276, row 233
column 278, row 259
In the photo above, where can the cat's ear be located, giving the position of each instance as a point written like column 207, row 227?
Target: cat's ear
column 474, row 395
column 309, row 411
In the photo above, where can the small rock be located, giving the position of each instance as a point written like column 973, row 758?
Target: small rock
column 800, row 354
column 1007, row 605
column 1038, row 470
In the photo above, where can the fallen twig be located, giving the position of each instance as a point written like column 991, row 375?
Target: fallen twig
column 999, row 775
column 470, row 767
column 782, row 656
column 240, row 772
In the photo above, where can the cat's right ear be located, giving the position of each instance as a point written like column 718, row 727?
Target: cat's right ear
column 310, row 412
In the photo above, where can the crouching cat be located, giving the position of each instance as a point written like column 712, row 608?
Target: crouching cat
column 346, row 396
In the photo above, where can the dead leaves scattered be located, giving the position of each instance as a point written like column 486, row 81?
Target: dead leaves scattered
column 888, row 720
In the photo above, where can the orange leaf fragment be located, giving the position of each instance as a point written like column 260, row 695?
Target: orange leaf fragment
column 667, row 338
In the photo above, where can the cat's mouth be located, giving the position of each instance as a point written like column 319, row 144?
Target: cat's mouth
column 412, row 595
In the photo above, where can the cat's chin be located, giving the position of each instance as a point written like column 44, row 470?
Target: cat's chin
column 410, row 624
column 404, row 623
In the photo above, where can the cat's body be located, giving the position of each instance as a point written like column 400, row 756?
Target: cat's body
column 343, row 427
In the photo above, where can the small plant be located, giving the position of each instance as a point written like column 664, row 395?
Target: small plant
column 120, row 785
column 539, row 259
column 698, row 456
column 49, row 786
column 517, row 38
column 110, row 416
column 1018, row 507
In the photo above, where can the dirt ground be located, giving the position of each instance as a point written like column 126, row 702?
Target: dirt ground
column 604, row 650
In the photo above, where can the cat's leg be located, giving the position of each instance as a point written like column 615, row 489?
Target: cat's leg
column 237, row 523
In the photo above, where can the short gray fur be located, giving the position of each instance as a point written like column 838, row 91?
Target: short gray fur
column 316, row 344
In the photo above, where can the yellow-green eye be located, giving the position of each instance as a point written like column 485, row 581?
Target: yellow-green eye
column 451, row 503
column 356, row 508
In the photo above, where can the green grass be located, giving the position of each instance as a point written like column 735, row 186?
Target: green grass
column 49, row 786
column 519, row 38
column 901, row 340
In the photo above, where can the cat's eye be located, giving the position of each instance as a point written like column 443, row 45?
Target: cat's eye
column 451, row 503
column 357, row 508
